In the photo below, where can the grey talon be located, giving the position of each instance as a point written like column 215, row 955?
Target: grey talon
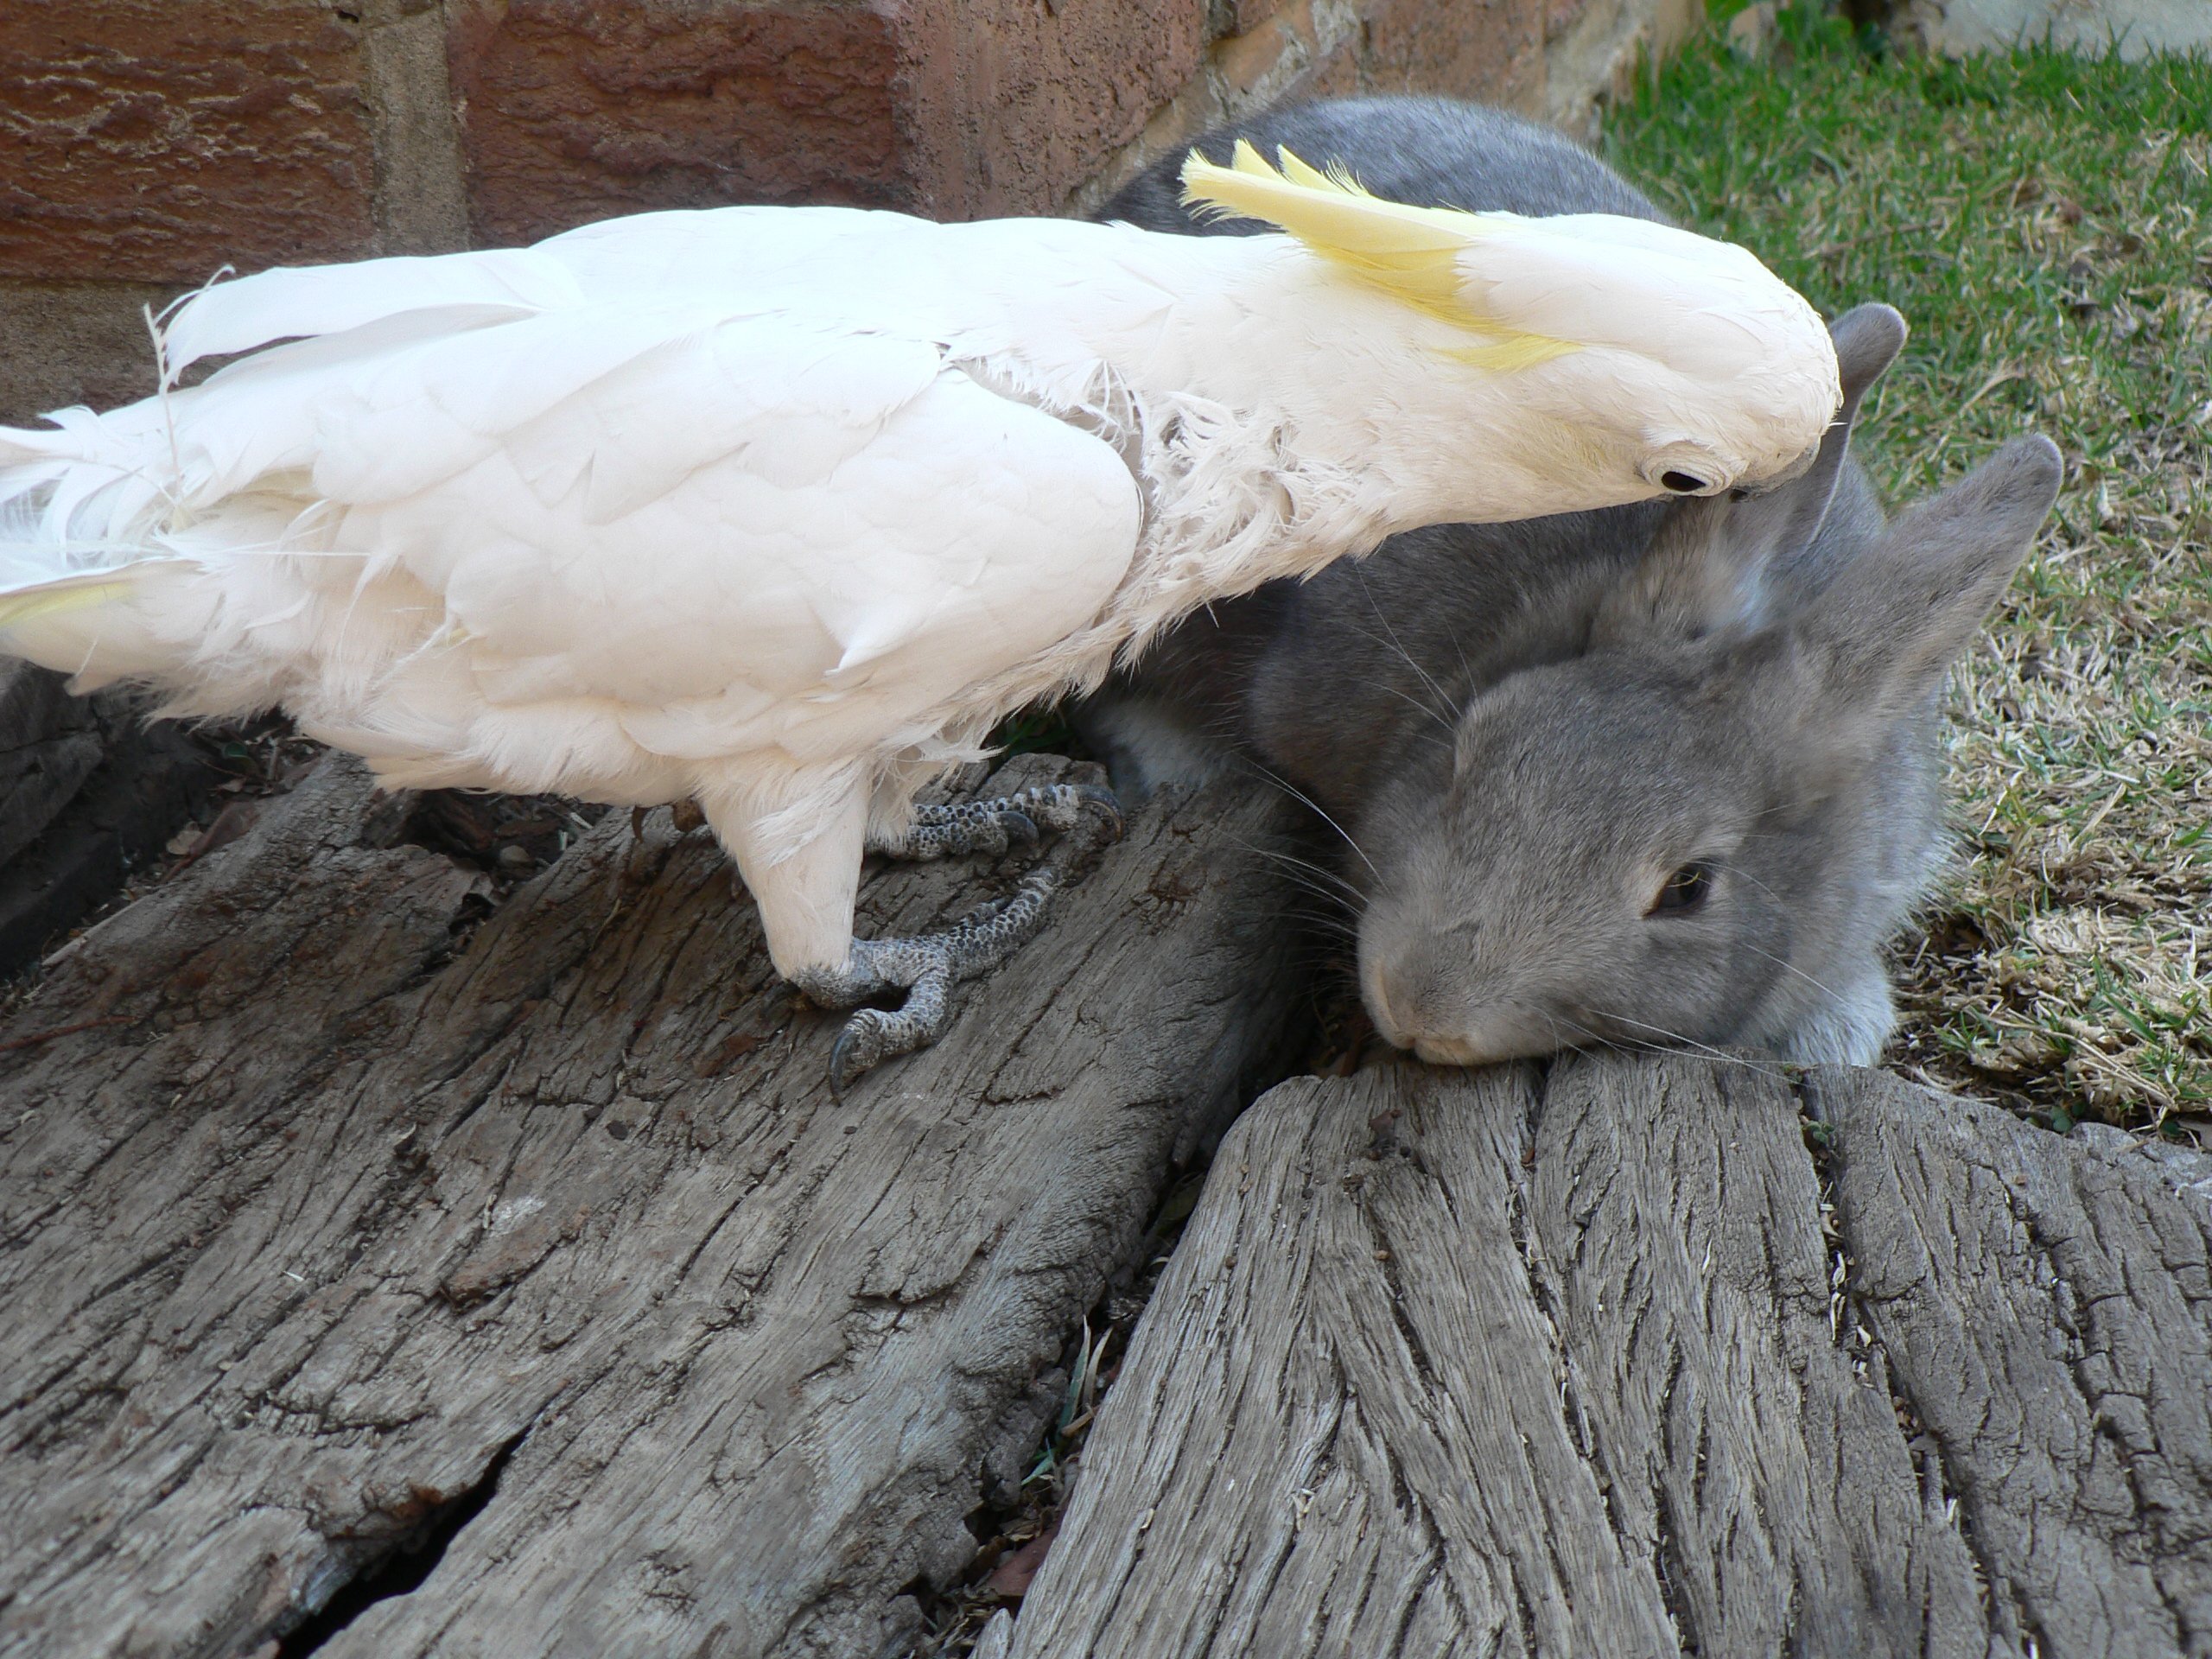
column 1067, row 806
column 873, row 1035
column 856, row 1050
column 927, row 967
column 937, row 832
column 1106, row 801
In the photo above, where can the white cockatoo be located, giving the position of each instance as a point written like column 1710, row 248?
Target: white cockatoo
column 782, row 509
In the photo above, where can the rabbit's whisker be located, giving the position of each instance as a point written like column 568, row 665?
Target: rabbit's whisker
column 1293, row 790
column 1706, row 1049
column 1783, row 962
column 1426, row 678
column 1291, row 861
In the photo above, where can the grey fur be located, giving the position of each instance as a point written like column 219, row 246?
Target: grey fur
column 1521, row 731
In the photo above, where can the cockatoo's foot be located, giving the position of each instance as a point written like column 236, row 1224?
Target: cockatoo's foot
column 927, row 968
column 994, row 826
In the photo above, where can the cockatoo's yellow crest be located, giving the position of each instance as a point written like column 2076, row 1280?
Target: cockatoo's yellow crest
column 1411, row 252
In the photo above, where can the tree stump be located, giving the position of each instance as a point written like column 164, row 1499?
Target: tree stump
column 1654, row 1357
column 338, row 1216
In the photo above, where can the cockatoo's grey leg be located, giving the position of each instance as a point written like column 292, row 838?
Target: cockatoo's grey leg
column 927, row 967
column 992, row 826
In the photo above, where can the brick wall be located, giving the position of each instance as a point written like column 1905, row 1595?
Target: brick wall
column 145, row 144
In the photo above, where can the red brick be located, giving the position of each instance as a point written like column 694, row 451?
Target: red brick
column 157, row 140
column 1243, row 16
column 1038, row 96
column 1490, row 49
column 573, row 110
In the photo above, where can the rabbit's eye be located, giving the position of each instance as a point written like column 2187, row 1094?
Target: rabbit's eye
column 1683, row 891
column 1682, row 483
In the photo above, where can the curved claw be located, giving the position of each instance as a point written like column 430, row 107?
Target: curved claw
column 1021, row 829
column 1067, row 807
column 857, row 1049
column 1106, row 801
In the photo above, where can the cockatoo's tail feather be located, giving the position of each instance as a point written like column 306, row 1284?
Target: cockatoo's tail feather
column 1412, row 252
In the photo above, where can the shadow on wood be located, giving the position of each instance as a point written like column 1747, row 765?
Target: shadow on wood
column 338, row 1208
column 87, row 789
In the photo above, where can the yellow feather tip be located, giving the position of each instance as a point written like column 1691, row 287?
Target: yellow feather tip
column 72, row 594
column 1512, row 351
column 1322, row 209
column 1410, row 252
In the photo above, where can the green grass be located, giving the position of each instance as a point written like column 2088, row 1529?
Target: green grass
column 2044, row 223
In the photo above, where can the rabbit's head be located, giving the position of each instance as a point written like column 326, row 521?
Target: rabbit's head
column 1699, row 830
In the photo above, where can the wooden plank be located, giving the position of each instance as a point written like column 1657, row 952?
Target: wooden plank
column 1752, row 1456
column 2046, row 1309
column 1337, row 1430
column 1543, row 1364
column 341, row 1216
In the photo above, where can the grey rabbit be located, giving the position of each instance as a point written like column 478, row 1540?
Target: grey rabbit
column 1660, row 774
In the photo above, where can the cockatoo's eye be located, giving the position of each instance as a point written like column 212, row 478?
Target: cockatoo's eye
column 1687, row 468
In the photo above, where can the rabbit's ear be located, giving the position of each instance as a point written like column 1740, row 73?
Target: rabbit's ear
column 1879, row 638
column 1703, row 570
column 1867, row 340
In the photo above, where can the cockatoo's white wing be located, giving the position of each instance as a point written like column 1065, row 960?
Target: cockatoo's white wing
column 779, row 509
column 535, row 520
column 764, row 534
column 734, row 532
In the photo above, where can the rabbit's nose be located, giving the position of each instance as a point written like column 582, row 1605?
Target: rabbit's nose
column 1410, row 1010
column 1385, row 1015
column 1392, row 1003
column 1423, row 1011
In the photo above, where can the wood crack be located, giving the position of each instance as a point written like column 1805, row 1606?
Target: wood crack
column 397, row 1566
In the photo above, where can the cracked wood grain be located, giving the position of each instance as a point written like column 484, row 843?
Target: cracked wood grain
column 2046, row 1308
column 1752, row 1459
column 1337, row 1430
column 1564, row 1365
column 353, row 1203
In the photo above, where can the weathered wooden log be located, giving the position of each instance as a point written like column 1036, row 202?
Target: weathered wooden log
column 1585, row 1360
column 331, row 1215
column 2046, row 1304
